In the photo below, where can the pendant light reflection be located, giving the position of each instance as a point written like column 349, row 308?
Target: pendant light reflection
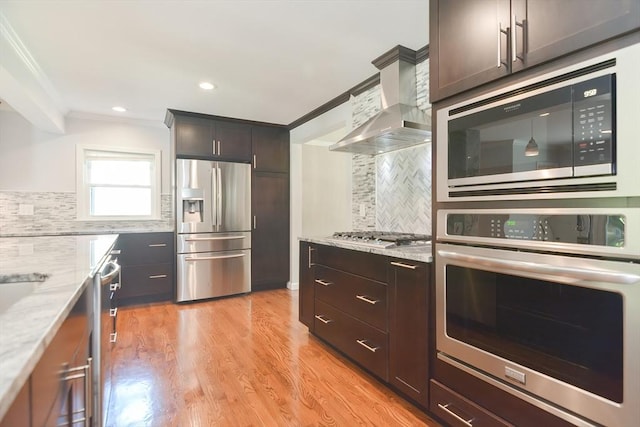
column 531, row 149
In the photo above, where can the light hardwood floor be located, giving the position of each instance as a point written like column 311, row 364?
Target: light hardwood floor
column 240, row 361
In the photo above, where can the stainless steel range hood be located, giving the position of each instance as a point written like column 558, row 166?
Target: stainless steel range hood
column 401, row 123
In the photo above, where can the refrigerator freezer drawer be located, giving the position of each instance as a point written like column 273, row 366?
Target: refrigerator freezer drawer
column 213, row 242
column 213, row 274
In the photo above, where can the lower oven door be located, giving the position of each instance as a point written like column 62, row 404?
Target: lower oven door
column 560, row 332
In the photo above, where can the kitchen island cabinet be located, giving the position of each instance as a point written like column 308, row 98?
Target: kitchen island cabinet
column 472, row 42
column 372, row 307
column 45, row 329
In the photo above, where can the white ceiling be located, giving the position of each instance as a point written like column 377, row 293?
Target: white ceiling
column 271, row 61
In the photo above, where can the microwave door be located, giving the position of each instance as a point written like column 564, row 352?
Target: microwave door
column 234, row 196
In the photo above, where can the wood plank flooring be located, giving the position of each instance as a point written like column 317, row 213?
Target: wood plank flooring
column 240, row 361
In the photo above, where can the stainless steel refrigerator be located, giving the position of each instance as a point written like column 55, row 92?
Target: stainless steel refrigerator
column 213, row 222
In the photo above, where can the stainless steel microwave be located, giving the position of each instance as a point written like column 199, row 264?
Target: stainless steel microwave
column 572, row 133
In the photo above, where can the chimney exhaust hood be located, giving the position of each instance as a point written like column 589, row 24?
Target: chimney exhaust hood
column 400, row 123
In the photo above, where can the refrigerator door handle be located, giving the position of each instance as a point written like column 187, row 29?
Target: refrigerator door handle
column 219, row 205
column 209, row 258
column 214, row 191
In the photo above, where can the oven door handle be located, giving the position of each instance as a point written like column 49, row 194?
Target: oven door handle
column 591, row 275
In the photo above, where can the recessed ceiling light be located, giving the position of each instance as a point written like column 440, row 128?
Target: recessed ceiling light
column 207, row 86
column 119, row 109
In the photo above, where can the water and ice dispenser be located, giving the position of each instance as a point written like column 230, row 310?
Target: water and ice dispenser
column 192, row 205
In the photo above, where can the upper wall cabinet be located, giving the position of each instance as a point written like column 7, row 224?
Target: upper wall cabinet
column 474, row 42
column 270, row 149
column 204, row 138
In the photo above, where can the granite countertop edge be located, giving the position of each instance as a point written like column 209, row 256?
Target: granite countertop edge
column 28, row 327
column 413, row 253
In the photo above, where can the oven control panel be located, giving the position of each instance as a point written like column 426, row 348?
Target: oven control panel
column 585, row 229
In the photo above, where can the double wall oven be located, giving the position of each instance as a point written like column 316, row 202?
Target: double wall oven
column 537, row 247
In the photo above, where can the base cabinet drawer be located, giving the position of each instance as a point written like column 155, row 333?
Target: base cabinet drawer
column 366, row 345
column 362, row 298
column 146, row 280
column 456, row 410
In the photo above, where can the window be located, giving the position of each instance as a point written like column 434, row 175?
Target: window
column 118, row 183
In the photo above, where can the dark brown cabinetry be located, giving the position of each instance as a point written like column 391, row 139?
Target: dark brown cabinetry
column 147, row 261
column 409, row 328
column 372, row 308
column 306, row 293
column 350, row 308
column 270, row 208
column 205, row 138
column 453, row 408
column 472, row 42
column 59, row 379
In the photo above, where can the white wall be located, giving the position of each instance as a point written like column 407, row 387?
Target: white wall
column 326, row 191
column 34, row 160
column 310, row 174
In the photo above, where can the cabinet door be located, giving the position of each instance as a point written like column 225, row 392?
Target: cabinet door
column 270, row 149
column 194, row 137
column 467, row 47
column 408, row 329
column 19, row 413
column 306, row 293
column 549, row 29
column 270, row 235
column 233, row 141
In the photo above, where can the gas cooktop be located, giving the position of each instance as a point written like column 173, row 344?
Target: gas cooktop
column 381, row 239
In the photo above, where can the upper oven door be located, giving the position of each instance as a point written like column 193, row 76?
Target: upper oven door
column 562, row 329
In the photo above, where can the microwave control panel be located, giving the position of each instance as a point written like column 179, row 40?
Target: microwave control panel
column 596, row 230
column 593, row 124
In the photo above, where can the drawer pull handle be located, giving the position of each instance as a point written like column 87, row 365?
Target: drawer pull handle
column 158, row 276
column 445, row 408
column 366, row 299
column 368, row 347
column 323, row 283
column 158, row 245
column 113, row 312
column 321, row 318
column 403, row 265
column 113, row 337
column 310, row 250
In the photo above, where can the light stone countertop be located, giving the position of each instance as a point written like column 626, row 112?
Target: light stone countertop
column 420, row 253
column 28, row 325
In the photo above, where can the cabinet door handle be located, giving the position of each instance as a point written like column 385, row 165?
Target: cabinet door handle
column 321, row 318
column 219, row 152
column 83, row 372
column 254, row 222
column 323, row 283
column 157, row 245
column 500, row 33
column 113, row 312
column 115, row 252
column 445, row 408
column 367, row 299
column 158, row 276
column 310, row 250
column 403, row 265
column 367, row 346
column 113, row 337
column 255, row 162
column 114, row 286
column 213, row 146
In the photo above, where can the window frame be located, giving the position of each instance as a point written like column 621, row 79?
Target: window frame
column 83, row 188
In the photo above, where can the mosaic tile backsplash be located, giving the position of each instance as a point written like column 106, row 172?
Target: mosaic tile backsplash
column 55, row 213
column 393, row 189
